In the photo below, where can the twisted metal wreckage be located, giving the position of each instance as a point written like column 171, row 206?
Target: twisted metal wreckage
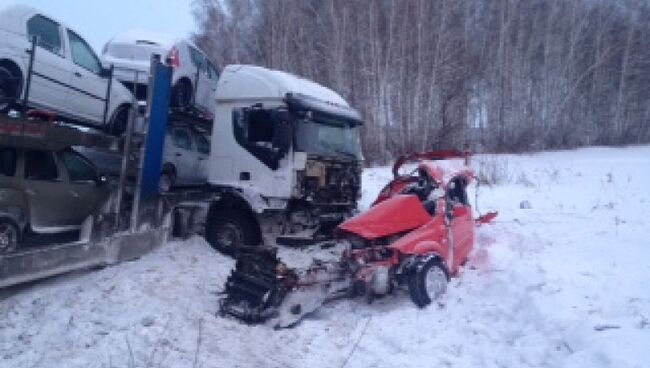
column 416, row 235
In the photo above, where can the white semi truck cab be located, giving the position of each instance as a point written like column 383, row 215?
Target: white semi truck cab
column 285, row 160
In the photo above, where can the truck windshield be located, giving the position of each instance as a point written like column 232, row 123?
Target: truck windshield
column 317, row 137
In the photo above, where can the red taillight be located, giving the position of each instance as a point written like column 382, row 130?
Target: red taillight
column 174, row 58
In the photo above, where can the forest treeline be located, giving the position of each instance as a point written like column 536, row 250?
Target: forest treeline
column 487, row 75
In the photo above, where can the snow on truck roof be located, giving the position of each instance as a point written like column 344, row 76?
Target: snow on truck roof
column 255, row 82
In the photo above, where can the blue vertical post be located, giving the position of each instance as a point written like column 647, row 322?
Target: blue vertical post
column 158, row 118
column 158, row 106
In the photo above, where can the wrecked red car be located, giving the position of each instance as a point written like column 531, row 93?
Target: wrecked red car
column 417, row 234
column 401, row 181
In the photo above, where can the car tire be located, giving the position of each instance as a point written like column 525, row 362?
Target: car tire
column 427, row 282
column 228, row 230
column 120, row 120
column 9, row 85
column 9, row 236
column 182, row 95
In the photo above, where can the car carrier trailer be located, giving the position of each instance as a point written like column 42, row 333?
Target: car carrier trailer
column 131, row 223
column 284, row 167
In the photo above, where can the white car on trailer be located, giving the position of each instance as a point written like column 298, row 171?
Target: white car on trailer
column 194, row 79
column 67, row 77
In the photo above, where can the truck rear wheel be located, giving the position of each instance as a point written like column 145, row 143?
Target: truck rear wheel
column 427, row 282
column 228, row 230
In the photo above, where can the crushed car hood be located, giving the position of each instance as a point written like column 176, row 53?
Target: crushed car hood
column 401, row 213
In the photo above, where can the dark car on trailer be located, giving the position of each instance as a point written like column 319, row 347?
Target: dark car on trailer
column 45, row 191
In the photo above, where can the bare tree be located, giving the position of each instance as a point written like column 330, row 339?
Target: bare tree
column 501, row 75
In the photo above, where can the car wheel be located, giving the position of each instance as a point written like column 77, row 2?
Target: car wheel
column 230, row 229
column 166, row 182
column 9, row 236
column 8, row 89
column 182, row 95
column 427, row 282
column 120, row 120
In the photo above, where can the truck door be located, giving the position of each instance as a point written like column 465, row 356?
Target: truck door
column 51, row 72
column 88, row 92
column 48, row 195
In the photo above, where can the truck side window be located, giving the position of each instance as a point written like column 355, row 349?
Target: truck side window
column 7, row 161
column 253, row 126
column 260, row 127
column 182, row 139
column 40, row 165
column 79, row 170
column 254, row 130
column 47, row 33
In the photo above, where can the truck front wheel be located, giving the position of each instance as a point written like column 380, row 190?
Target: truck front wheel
column 228, row 230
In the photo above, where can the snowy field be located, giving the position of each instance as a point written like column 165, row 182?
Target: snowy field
column 563, row 282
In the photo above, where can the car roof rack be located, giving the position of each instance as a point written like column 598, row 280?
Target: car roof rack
column 40, row 130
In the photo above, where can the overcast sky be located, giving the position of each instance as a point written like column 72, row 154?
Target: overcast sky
column 99, row 20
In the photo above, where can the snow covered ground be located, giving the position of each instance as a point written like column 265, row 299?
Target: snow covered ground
column 563, row 283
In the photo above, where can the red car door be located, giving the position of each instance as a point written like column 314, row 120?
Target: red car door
column 462, row 227
column 462, row 224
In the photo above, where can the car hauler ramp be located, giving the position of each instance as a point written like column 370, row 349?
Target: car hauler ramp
column 100, row 242
column 103, row 238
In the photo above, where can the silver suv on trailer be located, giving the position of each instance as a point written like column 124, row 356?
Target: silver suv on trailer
column 184, row 158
